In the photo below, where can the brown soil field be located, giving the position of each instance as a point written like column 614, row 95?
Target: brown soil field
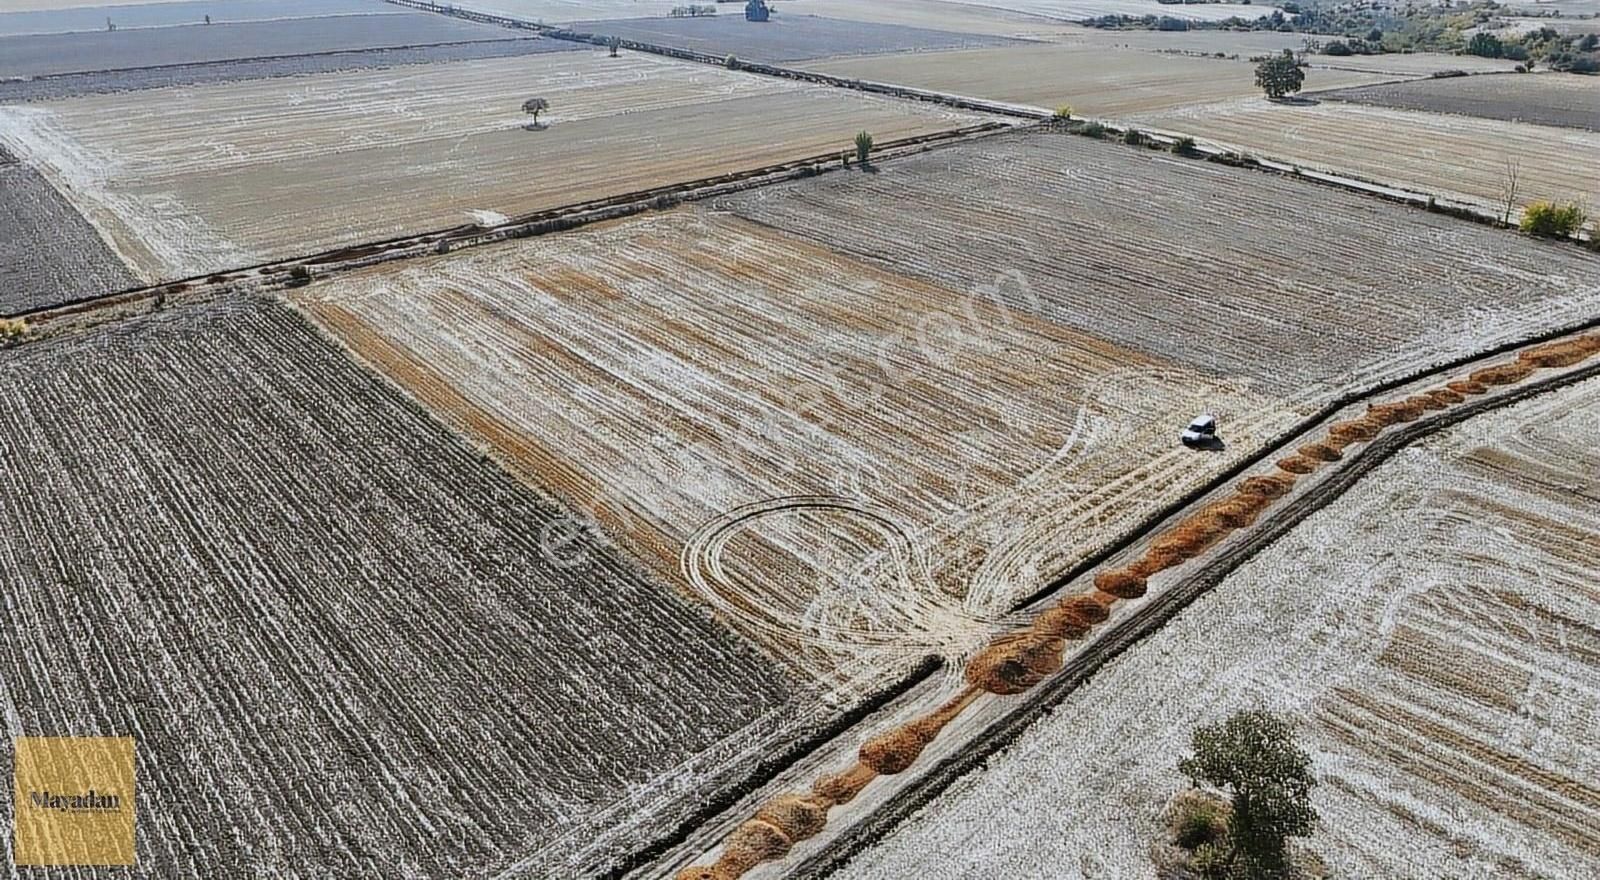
column 832, row 455
column 193, row 180
column 1415, row 64
column 1094, row 81
column 338, row 633
column 1561, row 99
column 1453, row 156
column 1436, row 635
column 48, row 253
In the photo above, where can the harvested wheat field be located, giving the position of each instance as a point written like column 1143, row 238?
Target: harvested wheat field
column 1561, row 99
column 1436, row 635
column 329, row 621
column 1457, row 157
column 787, row 38
column 1093, row 81
column 1217, row 268
column 62, row 16
column 194, row 180
column 834, row 456
column 1077, row 10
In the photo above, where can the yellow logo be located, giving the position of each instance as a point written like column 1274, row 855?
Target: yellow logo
column 74, row 800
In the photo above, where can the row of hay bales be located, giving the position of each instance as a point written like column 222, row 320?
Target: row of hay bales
column 1017, row 661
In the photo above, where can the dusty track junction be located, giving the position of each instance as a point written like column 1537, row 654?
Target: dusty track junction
column 658, row 491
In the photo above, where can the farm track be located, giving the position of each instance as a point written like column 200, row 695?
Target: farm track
column 752, row 844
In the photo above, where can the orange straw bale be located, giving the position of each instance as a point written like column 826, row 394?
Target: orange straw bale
column 798, row 817
column 1354, row 430
column 842, row 788
column 1060, row 623
column 1562, row 354
column 1445, row 397
column 1010, row 665
column 749, row 845
column 1463, row 386
column 1268, row 486
column 1321, row 451
column 1121, row 583
column 1503, row 374
column 1297, row 464
column 1385, row 414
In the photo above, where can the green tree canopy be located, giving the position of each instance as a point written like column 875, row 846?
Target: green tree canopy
column 1253, row 756
column 1280, row 75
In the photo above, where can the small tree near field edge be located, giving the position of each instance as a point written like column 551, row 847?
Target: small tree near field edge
column 1280, row 75
column 863, row 147
column 1253, row 757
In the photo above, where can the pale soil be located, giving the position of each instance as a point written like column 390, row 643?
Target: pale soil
column 664, row 372
column 1077, row 10
column 1458, row 157
column 199, row 179
column 1436, row 634
column 60, row 16
column 1093, row 81
column 787, row 38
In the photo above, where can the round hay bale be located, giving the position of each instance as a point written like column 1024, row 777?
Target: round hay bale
column 1463, row 386
column 1060, row 623
column 698, row 872
column 796, row 816
column 1428, row 401
column 1354, row 430
column 1446, row 397
column 752, row 843
column 1238, row 511
column 842, row 788
column 1121, row 583
column 1320, row 451
column 1502, row 374
column 1297, row 464
column 1561, row 354
column 1268, row 486
column 892, row 752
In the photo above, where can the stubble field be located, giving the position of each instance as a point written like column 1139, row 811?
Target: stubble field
column 1459, row 157
column 62, row 16
column 194, row 180
column 1437, row 634
column 1556, row 99
column 336, row 630
column 716, row 391
column 787, row 38
column 1094, row 81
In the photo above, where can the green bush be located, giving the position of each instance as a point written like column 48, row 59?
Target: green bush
column 1064, row 112
column 1198, row 820
column 1092, row 129
column 12, row 328
column 1546, row 218
column 1133, row 137
column 1184, row 146
column 863, row 147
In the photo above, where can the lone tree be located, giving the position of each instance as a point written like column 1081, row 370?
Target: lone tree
column 535, row 106
column 1253, row 756
column 1280, row 75
column 863, row 147
column 614, row 44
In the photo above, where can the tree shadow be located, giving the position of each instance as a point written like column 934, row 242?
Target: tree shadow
column 1207, row 444
column 536, row 126
column 1295, row 101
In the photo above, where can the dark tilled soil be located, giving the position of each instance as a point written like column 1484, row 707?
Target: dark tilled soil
column 787, row 37
column 328, row 623
column 1559, row 99
column 49, row 254
column 74, row 84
